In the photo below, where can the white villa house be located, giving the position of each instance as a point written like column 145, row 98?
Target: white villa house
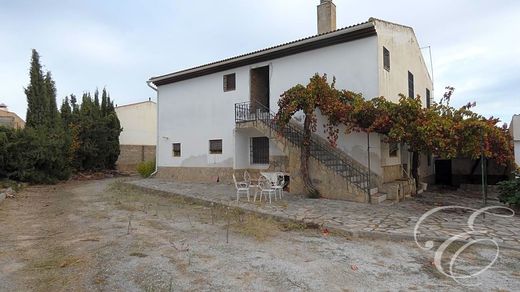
column 214, row 120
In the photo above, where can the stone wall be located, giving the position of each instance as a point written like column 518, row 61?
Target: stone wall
column 131, row 155
column 392, row 173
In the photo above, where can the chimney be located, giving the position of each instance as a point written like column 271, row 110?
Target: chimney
column 326, row 16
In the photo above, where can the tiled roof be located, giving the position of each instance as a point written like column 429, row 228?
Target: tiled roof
column 190, row 73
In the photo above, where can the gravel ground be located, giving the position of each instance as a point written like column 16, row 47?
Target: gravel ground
column 107, row 236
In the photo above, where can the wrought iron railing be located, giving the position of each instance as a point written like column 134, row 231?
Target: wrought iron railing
column 333, row 158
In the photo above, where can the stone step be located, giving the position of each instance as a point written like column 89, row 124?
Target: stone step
column 378, row 198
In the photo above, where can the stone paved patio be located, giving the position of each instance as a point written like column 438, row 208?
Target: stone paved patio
column 390, row 220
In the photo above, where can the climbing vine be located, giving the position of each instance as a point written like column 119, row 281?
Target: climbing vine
column 441, row 129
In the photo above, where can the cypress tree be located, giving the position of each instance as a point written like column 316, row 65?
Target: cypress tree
column 66, row 113
column 104, row 96
column 96, row 108
column 53, row 115
column 39, row 152
column 94, row 129
column 75, row 108
column 114, row 130
column 37, row 102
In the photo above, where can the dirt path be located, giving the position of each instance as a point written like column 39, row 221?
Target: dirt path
column 105, row 236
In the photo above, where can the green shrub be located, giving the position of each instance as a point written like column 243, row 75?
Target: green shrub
column 33, row 155
column 509, row 191
column 146, row 168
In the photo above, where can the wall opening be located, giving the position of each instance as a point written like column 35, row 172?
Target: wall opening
column 259, row 94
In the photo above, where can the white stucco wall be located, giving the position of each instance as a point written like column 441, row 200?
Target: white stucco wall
column 405, row 55
column 356, row 145
column 139, row 123
column 194, row 111
column 242, row 150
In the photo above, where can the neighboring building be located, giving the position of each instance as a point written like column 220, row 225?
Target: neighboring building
column 207, row 125
column 138, row 138
column 9, row 119
column 515, row 133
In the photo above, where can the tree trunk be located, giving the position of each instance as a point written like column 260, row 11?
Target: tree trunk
column 310, row 190
column 415, row 169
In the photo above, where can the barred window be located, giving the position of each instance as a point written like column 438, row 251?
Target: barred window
column 215, row 146
column 259, row 150
column 176, row 149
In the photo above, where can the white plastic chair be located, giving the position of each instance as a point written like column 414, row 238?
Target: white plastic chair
column 242, row 187
column 247, row 179
column 280, row 183
column 265, row 189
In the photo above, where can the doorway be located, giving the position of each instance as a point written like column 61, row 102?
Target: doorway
column 259, row 88
column 443, row 172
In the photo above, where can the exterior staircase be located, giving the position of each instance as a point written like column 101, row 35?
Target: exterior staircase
column 342, row 176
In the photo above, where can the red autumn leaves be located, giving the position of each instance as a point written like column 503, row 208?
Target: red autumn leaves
column 442, row 130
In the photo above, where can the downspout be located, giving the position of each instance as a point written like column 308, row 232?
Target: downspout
column 368, row 157
column 154, row 88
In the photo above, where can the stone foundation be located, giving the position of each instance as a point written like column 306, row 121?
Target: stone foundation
column 219, row 174
column 132, row 155
column 197, row 174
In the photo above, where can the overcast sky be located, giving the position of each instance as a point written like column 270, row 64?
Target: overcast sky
column 120, row 44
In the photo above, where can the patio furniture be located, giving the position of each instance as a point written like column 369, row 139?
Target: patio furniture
column 277, row 180
column 266, row 188
column 242, row 187
column 270, row 176
column 253, row 183
column 279, row 185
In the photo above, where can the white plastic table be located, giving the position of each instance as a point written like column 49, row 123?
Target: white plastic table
column 271, row 176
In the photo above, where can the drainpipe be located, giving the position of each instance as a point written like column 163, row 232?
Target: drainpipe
column 368, row 153
column 154, row 88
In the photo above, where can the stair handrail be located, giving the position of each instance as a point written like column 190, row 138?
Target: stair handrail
column 265, row 115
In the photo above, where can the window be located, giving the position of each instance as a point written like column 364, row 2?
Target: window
column 428, row 98
column 410, row 85
column 176, row 149
column 229, row 82
column 386, row 59
column 259, row 150
column 215, row 146
column 392, row 149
